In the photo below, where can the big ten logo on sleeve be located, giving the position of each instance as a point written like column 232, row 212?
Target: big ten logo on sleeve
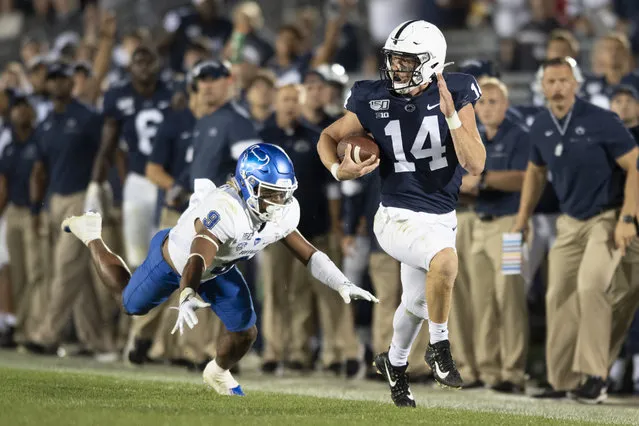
column 211, row 219
column 511, row 253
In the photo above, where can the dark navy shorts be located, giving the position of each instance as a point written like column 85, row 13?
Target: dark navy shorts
column 154, row 281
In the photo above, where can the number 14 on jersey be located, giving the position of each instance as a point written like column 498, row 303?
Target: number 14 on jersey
column 429, row 126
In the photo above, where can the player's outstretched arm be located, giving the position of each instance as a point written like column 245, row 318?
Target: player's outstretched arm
column 323, row 269
column 203, row 251
column 469, row 148
column 534, row 183
column 327, row 149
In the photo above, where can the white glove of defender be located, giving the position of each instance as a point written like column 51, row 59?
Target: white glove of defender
column 350, row 291
column 186, row 310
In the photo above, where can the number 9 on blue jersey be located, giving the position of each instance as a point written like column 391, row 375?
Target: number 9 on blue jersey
column 211, row 219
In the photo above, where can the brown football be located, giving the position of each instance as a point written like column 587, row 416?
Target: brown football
column 363, row 147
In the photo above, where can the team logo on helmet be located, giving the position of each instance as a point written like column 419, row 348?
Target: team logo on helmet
column 260, row 161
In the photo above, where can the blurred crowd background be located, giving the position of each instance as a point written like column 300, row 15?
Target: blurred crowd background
column 293, row 62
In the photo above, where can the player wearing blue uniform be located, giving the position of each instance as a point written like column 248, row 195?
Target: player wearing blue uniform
column 221, row 227
column 425, row 126
column 587, row 149
column 132, row 113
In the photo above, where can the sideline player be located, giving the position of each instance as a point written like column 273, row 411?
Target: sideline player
column 221, row 227
column 425, row 132
column 133, row 111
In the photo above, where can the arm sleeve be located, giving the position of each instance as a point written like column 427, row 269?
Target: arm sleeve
column 619, row 140
column 95, row 131
column 535, row 156
column 109, row 107
column 242, row 134
column 350, row 102
column 464, row 90
column 521, row 153
column 163, row 143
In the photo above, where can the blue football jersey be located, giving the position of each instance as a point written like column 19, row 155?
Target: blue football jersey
column 139, row 119
column 419, row 167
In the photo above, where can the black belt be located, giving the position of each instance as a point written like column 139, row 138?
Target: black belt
column 487, row 217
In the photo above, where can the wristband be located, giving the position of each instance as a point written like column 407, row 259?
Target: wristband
column 453, row 121
column 334, row 168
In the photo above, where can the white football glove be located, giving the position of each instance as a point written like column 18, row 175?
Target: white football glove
column 350, row 291
column 189, row 303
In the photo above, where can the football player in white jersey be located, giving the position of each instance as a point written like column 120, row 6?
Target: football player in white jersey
column 220, row 227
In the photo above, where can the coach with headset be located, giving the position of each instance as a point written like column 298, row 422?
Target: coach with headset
column 587, row 150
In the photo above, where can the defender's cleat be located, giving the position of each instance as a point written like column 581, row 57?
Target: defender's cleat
column 222, row 382
column 87, row 227
column 441, row 362
column 397, row 380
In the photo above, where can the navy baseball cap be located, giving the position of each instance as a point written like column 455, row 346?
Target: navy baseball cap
column 625, row 89
column 479, row 67
column 59, row 69
column 210, row 68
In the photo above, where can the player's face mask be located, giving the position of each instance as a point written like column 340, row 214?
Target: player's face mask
column 269, row 201
column 403, row 70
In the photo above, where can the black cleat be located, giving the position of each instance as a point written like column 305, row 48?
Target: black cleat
column 508, row 387
column 593, row 391
column 551, row 394
column 138, row 355
column 397, row 380
column 440, row 360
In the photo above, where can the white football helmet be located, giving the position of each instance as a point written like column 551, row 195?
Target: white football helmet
column 418, row 40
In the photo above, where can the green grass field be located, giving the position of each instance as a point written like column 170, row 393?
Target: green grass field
column 74, row 391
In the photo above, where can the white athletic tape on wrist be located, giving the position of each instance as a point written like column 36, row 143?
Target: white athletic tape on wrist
column 334, row 168
column 453, row 121
column 324, row 270
column 207, row 238
column 200, row 256
column 186, row 293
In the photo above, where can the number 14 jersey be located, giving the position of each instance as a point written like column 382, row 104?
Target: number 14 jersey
column 419, row 166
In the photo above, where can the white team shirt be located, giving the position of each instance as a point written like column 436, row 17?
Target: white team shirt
column 225, row 214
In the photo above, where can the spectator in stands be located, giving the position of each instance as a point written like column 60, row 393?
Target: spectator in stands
column 531, row 39
column 291, row 63
column 186, row 23
column 562, row 43
column 260, row 94
column 611, row 61
column 30, row 48
column 247, row 49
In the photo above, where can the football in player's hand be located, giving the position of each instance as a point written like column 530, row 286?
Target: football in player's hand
column 362, row 148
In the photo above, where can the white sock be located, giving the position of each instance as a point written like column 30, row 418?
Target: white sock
column 617, row 372
column 406, row 326
column 635, row 369
column 438, row 332
column 10, row 320
column 216, row 369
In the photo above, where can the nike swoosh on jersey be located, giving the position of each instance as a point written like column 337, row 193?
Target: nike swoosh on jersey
column 429, row 107
column 391, row 382
column 440, row 373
